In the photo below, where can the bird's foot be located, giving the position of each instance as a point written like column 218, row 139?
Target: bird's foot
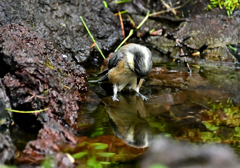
column 143, row 97
column 114, row 98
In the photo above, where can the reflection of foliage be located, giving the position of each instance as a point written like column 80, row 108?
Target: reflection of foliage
column 220, row 124
column 158, row 166
column 97, row 132
column 5, row 166
column 95, row 154
column 48, row 163
column 229, row 5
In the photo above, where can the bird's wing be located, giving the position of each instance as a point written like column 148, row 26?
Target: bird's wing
column 103, row 78
column 113, row 61
column 102, row 73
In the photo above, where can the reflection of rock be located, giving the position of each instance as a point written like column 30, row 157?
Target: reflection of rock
column 127, row 122
column 175, row 155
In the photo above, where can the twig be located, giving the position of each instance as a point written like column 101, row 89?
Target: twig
column 146, row 17
column 34, row 95
column 66, row 87
column 131, row 31
column 131, row 21
column 121, row 22
column 122, row 12
column 160, row 12
column 92, row 37
column 129, row 35
column 92, row 45
column 123, row 1
column 169, row 7
column 122, row 26
column 185, row 58
column 18, row 111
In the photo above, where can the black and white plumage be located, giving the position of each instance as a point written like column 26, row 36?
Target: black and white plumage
column 129, row 65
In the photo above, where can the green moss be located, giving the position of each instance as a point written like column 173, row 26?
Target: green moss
column 229, row 5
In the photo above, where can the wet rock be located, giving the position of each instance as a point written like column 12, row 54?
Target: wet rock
column 141, row 7
column 216, row 31
column 5, row 119
column 7, row 150
column 59, row 22
column 175, row 155
column 62, row 160
column 51, row 140
column 40, row 78
column 56, row 133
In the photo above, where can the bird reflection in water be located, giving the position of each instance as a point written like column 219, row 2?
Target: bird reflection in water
column 128, row 120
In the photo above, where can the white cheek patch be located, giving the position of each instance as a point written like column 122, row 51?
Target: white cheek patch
column 130, row 61
column 147, row 58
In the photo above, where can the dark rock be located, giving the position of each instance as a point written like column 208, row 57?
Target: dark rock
column 51, row 140
column 39, row 78
column 5, row 119
column 217, row 31
column 55, row 132
column 141, row 7
column 59, row 22
column 163, row 151
column 62, row 160
column 6, row 149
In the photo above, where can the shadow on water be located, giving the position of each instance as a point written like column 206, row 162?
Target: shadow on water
column 202, row 107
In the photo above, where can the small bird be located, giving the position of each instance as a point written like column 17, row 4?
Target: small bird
column 129, row 65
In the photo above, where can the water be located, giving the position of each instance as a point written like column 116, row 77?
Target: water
column 202, row 107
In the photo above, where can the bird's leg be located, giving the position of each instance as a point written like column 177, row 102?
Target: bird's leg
column 138, row 87
column 142, row 96
column 115, row 90
column 139, row 84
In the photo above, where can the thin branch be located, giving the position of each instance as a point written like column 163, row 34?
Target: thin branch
column 131, row 31
column 160, row 12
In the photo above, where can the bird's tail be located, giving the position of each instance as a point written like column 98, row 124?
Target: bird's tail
column 103, row 72
column 104, row 77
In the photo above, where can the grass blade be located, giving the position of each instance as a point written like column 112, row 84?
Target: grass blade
column 92, row 37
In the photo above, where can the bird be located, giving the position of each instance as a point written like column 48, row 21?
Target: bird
column 128, row 66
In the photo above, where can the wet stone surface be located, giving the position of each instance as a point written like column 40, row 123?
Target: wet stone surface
column 217, row 31
column 59, row 22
